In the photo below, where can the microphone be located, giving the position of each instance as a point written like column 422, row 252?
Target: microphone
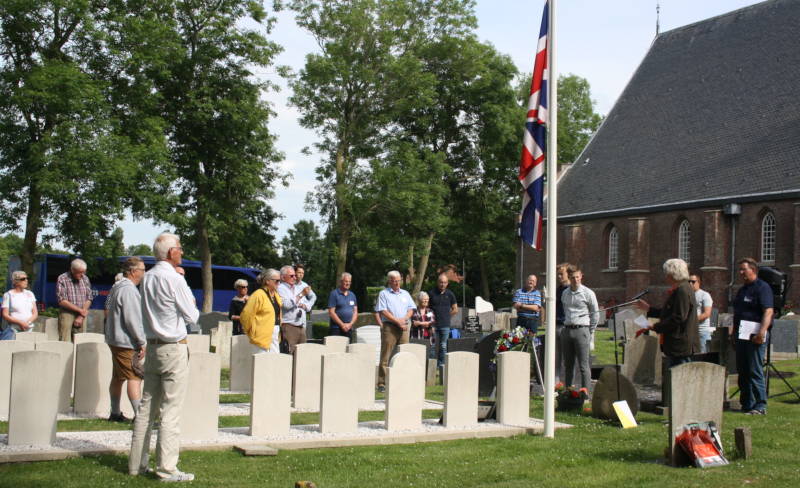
column 640, row 295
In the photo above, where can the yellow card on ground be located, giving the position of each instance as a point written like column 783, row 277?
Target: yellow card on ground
column 624, row 414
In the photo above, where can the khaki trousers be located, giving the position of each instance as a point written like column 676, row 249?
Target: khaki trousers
column 66, row 320
column 391, row 336
column 166, row 373
column 294, row 335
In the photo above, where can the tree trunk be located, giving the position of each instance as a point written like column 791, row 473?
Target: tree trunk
column 33, row 223
column 344, row 240
column 205, row 267
column 411, row 272
column 484, row 280
column 422, row 269
column 343, row 219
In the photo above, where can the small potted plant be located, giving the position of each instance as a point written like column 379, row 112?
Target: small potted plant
column 570, row 398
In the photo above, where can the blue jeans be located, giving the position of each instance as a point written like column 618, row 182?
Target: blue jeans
column 442, row 334
column 705, row 336
column 530, row 323
column 750, row 365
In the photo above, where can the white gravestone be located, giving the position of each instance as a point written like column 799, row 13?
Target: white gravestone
column 63, row 372
column 221, row 340
column 199, row 416
column 461, row 389
column 50, row 328
column 370, row 334
column 405, row 392
column 337, row 343
column 338, row 405
column 513, row 387
column 270, row 407
column 31, row 336
column 7, row 348
column 198, row 343
column 306, row 375
column 241, row 363
column 482, row 305
column 93, row 370
column 85, row 337
column 33, row 407
column 364, row 382
column 420, row 352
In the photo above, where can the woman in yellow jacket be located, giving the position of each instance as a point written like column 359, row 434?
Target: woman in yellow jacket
column 261, row 317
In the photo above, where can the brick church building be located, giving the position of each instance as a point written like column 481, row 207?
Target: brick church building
column 699, row 159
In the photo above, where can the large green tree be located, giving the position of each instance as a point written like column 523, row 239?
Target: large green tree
column 221, row 151
column 67, row 160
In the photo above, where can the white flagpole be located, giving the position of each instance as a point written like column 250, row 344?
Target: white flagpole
column 552, row 207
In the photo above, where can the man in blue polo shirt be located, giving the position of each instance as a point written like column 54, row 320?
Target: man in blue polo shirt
column 528, row 303
column 752, row 309
column 395, row 307
column 444, row 305
column 343, row 308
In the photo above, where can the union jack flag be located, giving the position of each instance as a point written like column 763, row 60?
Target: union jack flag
column 531, row 166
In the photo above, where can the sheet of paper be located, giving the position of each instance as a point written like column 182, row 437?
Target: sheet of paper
column 641, row 321
column 747, row 328
column 624, row 414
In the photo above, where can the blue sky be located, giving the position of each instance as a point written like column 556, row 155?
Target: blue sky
column 602, row 41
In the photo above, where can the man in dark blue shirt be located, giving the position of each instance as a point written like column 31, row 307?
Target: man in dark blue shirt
column 752, row 317
column 342, row 308
column 443, row 303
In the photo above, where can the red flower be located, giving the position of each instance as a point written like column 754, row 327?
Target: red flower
column 574, row 394
column 515, row 340
column 502, row 348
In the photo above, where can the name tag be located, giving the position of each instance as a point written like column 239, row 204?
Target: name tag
column 352, row 303
column 748, row 299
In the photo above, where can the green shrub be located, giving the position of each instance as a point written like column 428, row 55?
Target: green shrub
column 319, row 330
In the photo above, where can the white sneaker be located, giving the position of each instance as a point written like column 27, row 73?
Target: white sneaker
column 178, row 476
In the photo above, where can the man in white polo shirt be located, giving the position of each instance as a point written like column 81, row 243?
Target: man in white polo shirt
column 167, row 307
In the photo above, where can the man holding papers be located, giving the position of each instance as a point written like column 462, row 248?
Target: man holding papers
column 752, row 318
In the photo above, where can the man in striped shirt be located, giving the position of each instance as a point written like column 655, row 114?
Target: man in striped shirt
column 528, row 303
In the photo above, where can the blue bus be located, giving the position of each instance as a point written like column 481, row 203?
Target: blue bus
column 48, row 267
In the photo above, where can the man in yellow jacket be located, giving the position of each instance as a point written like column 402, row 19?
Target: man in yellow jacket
column 261, row 317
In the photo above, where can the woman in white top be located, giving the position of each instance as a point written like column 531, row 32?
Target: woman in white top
column 19, row 304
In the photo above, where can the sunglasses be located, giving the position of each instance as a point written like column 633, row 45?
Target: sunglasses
column 24, row 278
column 692, row 281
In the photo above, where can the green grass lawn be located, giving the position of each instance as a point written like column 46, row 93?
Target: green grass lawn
column 593, row 453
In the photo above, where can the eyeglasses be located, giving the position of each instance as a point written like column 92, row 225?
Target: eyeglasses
column 179, row 248
column 692, row 281
column 24, row 278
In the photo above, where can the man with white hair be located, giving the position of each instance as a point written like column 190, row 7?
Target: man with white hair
column 74, row 295
column 395, row 307
column 168, row 306
column 293, row 308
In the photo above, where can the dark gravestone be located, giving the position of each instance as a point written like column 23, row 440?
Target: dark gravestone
column 606, row 393
column 465, row 344
column 486, row 375
column 456, row 321
column 784, row 336
column 208, row 321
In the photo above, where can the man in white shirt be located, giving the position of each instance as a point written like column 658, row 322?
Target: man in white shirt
column 580, row 320
column 704, row 304
column 309, row 297
column 293, row 308
column 167, row 307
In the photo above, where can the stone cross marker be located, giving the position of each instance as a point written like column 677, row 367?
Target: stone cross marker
column 272, row 394
column 241, row 363
column 338, row 404
column 199, row 416
column 7, row 348
column 337, row 343
column 63, row 372
column 405, row 393
column 697, row 391
column 306, row 376
column 364, row 381
column 33, row 407
column 513, row 387
column 461, row 389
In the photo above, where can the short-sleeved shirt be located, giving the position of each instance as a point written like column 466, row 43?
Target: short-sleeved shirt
column 343, row 305
column 751, row 301
column 19, row 305
column 533, row 297
column 441, row 303
column 703, row 300
column 397, row 303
